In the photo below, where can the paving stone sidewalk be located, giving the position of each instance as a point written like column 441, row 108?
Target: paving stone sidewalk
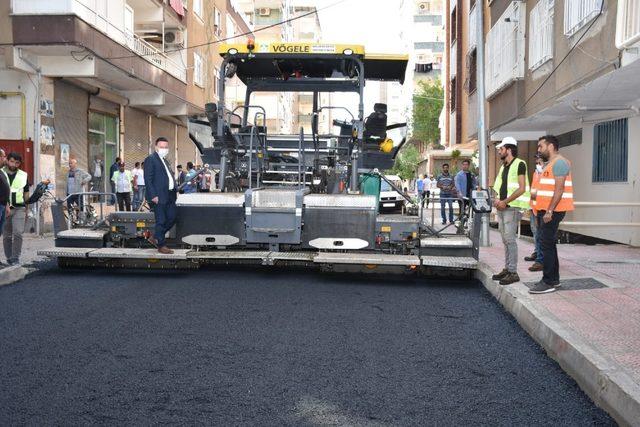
column 607, row 318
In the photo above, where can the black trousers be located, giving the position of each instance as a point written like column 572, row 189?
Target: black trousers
column 165, row 215
column 548, row 235
column 124, row 199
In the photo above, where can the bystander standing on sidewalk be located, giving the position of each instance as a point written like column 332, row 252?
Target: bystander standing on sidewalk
column 419, row 187
column 533, row 220
column 122, row 180
column 447, row 193
column 77, row 179
column 426, row 189
column 112, row 169
column 138, row 185
column 512, row 187
column 14, row 225
column 554, row 198
column 5, row 190
column 466, row 182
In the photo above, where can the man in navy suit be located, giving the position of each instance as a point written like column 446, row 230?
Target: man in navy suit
column 161, row 193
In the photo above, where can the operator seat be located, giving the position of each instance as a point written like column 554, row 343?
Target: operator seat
column 375, row 126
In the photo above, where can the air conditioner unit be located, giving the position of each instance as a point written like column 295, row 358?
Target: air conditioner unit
column 174, row 38
column 264, row 11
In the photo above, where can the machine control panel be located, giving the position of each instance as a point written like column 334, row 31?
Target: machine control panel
column 481, row 201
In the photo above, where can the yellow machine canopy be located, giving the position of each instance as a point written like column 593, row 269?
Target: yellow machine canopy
column 290, row 61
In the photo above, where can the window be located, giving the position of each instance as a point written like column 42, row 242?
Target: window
column 472, row 79
column 570, row 138
column 541, row 33
column 473, row 28
column 230, row 27
column 217, row 22
column 198, row 70
column 578, row 13
column 216, row 80
column 505, row 49
column 610, row 151
column 454, row 91
column 434, row 46
column 435, row 20
column 454, row 26
column 197, row 8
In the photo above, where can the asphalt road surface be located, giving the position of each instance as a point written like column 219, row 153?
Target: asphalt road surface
column 264, row 347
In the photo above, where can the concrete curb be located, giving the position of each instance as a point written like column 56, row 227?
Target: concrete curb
column 609, row 386
column 12, row 274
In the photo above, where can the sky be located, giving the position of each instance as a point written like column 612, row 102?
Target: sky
column 376, row 24
column 372, row 23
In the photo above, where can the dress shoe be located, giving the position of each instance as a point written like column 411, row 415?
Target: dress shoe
column 165, row 250
column 532, row 257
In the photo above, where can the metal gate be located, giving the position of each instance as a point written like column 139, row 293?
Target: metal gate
column 71, row 124
column 136, row 136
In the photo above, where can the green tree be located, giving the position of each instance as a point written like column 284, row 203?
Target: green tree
column 428, row 100
column 406, row 162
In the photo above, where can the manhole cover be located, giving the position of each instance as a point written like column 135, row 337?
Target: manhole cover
column 575, row 284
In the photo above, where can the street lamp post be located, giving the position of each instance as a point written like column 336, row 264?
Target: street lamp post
column 482, row 131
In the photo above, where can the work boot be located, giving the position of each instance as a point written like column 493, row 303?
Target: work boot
column 165, row 250
column 500, row 275
column 532, row 257
column 509, row 279
column 536, row 266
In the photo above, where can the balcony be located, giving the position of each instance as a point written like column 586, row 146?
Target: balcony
column 628, row 24
column 505, row 49
column 110, row 18
column 577, row 13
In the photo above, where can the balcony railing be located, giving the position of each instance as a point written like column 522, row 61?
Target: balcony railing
column 155, row 56
column 577, row 13
column 541, row 33
column 453, row 58
column 107, row 17
column 473, row 28
column 505, row 49
column 628, row 23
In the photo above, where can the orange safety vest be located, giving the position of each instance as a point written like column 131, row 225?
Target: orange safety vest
column 535, row 182
column 546, row 186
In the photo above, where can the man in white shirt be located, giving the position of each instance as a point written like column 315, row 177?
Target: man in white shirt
column 122, row 180
column 138, row 185
column 426, row 189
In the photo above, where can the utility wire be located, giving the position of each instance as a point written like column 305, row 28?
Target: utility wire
column 248, row 33
column 565, row 57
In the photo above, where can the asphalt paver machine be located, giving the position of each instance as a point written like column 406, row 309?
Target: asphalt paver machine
column 303, row 199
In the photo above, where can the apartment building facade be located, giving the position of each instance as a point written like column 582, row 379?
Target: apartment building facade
column 262, row 15
column 569, row 68
column 100, row 79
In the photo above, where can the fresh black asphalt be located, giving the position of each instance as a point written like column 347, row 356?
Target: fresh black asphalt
column 271, row 347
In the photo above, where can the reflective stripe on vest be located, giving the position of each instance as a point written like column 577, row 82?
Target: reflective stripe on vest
column 547, row 185
column 17, row 186
column 513, row 185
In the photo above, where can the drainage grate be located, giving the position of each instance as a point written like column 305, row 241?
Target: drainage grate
column 575, row 284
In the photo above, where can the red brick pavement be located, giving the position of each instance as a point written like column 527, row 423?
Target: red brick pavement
column 608, row 318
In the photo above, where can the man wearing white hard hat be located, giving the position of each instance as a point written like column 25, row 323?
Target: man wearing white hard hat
column 512, row 198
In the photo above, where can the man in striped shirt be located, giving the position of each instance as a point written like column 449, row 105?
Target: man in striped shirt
column 447, row 187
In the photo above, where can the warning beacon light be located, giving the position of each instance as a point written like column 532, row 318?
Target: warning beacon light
column 251, row 44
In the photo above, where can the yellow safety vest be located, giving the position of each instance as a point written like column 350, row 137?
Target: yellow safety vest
column 513, row 184
column 17, row 186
